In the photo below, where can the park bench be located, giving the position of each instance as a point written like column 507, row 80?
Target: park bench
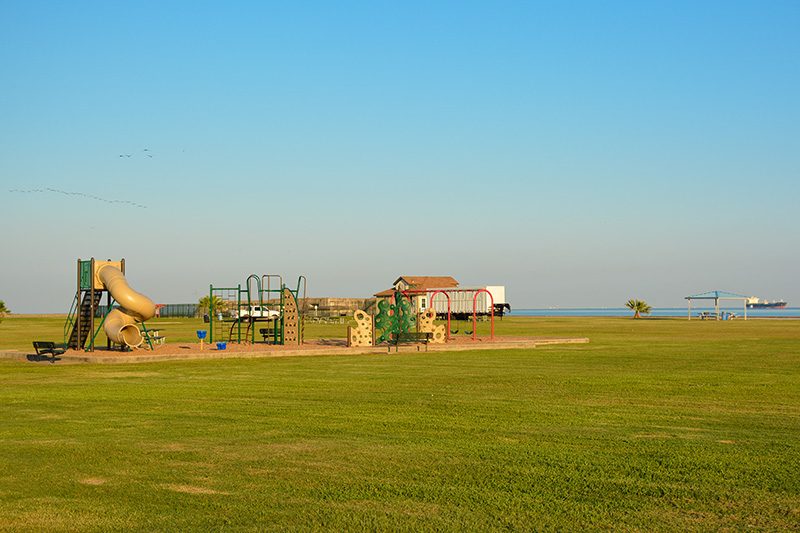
column 411, row 337
column 266, row 332
column 47, row 347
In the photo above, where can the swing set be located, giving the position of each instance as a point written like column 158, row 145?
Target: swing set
column 450, row 331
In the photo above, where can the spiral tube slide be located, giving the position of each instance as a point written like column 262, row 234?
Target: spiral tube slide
column 120, row 324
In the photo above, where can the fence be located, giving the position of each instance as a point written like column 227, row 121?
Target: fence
column 310, row 307
column 165, row 311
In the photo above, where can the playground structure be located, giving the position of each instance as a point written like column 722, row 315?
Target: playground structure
column 398, row 318
column 96, row 278
column 265, row 307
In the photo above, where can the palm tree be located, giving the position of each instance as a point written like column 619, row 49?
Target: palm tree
column 3, row 309
column 639, row 307
column 215, row 304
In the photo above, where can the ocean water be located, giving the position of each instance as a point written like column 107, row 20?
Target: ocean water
column 789, row 312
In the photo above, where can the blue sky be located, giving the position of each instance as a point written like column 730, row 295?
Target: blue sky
column 579, row 153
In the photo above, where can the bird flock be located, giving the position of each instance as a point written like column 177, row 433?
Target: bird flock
column 146, row 150
column 72, row 193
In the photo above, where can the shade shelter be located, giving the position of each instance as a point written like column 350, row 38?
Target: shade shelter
column 717, row 296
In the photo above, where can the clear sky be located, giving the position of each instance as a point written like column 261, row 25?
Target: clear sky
column 579, row 153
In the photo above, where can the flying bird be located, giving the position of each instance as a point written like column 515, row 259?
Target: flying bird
column 72, row 193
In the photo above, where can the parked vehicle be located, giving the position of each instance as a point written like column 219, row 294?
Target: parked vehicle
column 256, row 311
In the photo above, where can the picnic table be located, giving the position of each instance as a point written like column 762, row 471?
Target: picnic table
column 153, row 336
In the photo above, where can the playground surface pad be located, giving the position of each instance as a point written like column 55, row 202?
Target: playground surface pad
column 194, row 350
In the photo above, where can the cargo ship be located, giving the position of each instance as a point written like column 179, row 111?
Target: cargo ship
column 755, row 303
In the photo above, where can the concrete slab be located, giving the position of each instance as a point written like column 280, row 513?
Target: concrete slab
column 189, row 352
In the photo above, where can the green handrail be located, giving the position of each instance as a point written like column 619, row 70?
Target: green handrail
column 71, row 323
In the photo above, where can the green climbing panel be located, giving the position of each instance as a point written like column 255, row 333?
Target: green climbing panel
column 396, row 316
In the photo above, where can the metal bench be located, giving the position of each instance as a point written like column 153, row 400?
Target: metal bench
column 47, row 347
column 267, row 332
column 411, row 337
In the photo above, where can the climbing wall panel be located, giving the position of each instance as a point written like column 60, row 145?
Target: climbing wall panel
column 426, row 326
column 291, row 319
column 361, row 335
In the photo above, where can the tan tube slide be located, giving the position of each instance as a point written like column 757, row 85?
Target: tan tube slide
column 120, row 325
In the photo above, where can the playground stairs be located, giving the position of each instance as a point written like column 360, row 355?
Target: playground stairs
column 78, row 336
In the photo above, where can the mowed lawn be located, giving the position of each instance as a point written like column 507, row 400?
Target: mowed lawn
column 655, row 425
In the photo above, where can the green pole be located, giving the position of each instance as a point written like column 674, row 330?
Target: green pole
column 239, row 319
column 283, row 316
column 210, row 314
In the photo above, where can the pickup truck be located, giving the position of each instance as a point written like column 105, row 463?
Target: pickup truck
column 256, row 311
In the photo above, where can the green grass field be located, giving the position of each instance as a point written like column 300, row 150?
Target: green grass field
column 656, row 425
